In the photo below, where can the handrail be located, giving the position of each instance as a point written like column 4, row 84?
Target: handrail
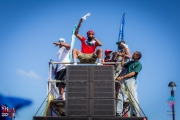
column 85, row 63
column 50, row 80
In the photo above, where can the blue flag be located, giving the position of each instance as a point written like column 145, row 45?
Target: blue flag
column 10, row 105
column 121, row 29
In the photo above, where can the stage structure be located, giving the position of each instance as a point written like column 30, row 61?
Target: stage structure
column 90, row 95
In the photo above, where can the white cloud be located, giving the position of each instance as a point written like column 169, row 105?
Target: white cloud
column 30, row 74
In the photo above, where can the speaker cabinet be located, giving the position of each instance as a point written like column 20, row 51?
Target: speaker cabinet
column 77, row 90
column 103, row 73
column 103, row 89
column 77, row 73
column 103, row 107
column 77, row 107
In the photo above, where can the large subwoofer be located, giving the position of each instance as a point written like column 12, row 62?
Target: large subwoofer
column 90, row 91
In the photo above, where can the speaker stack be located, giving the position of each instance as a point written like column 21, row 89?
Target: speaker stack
column 90, row 91
column 90, row 95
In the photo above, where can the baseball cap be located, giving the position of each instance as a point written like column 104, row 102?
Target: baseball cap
column 90, row 31
column 62, row 40
column 107, row 51
column 122, row 41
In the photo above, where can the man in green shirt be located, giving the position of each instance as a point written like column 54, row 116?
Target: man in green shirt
column 134, row 67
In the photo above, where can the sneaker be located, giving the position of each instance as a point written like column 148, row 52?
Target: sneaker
column 133, row 115
column 59, row 97
column 118, row 115
column 99, row 64
column 75, row 64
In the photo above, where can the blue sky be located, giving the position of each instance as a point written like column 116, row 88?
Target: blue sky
column 28, row 29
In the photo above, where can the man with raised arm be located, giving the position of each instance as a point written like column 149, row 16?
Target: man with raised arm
column 88, row 53
column 60, row 71
column 128, row 82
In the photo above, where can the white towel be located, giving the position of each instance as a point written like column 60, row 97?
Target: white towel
column 84, row 17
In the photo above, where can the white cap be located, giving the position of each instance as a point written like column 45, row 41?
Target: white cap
column 62, row 40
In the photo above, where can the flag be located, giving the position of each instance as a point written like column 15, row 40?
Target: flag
column 72, row 42
column 121, row 29
column 9, row 104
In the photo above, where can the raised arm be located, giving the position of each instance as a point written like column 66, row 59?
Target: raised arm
column 77, row 30
column 122, row 61
column 98, row 42
column 127, row 53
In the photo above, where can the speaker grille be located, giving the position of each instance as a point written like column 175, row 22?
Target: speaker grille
column 103, row 107
column 103, row 89
column 77, row 73
column 77, row 90
column 103, row 73
column 77, row 107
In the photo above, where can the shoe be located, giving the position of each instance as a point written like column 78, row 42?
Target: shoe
column 133, row 115
column 118, row 115
column 75, row 64
column 59, row 97
column 99, row 64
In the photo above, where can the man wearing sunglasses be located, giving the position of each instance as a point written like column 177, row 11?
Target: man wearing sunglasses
column 88, row 53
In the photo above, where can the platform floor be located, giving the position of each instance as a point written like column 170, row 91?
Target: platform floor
column 88, row 118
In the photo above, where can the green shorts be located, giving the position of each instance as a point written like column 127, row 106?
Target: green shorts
column 87, row 58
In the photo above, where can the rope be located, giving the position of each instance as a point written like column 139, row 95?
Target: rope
column 130, row 99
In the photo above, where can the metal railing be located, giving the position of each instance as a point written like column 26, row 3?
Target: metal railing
column 51, row 63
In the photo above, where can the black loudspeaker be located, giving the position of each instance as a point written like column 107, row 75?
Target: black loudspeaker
column 77, row 73
column 103, row 107
column 77, row 90
column 103, row 89
column 90, row 91
column 77, row 107
column 103, row 73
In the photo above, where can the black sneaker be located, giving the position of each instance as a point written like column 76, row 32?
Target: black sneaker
column 118, row 115
column 133, row 115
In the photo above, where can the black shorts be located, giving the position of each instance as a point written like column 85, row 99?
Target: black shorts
column 60, row 75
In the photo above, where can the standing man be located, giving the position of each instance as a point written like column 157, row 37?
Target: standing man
column 129, row 80
column 60, row 71
column 117, row 56
column 88, row 47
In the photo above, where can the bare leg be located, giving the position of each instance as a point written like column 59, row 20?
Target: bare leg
column 75, row 53
column 99, row 53
column 61, row 90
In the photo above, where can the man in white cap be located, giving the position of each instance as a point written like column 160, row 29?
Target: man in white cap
column 119, row 71
column 60, row 71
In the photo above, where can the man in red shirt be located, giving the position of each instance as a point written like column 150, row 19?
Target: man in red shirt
column 107, row 56
column 88, row 47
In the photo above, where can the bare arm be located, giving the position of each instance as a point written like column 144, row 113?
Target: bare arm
column 114, row 57
column 127, row 53
column 67, row 46
column 98, row 42
column 131, row 74
column 77, row 30
column 122, row 61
